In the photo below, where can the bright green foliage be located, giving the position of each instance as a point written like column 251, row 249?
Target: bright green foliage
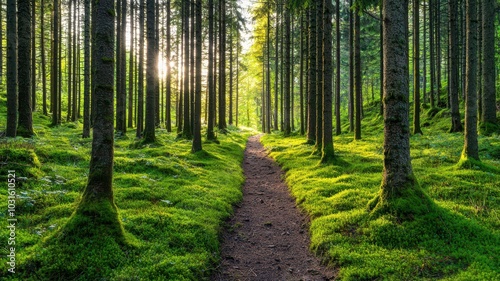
column 170, row 203
column 450, row 229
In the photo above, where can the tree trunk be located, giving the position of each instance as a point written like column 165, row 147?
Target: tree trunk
column 471, row 150
column 168, row 112
column 432, row 51
column 86, row 71
column 25, row 123
column 319, row 76
column 99, row 187
column 397, row 175
column 416, row 67
column 268, row 75
column 301, row 75
column 12, row 94
column 33, row 55
column 338, row 129
column 151, row 73
column 327, row 149
column 210, row 77
column 130, row 117
column 197, row 96
column 54, row 76
column 488, row 117
column 186, row 128
column 453, row 80
column 351, row 69
column 312, row 74
column 358, row 102
column 140, row 78
column 42, row 57
column 222, row 66
column 276, row 66
column 287, row 82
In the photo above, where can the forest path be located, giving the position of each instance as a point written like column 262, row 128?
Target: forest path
column 267, row 237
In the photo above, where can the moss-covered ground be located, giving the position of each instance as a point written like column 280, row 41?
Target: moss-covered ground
column 171, row 205
column 454, row 237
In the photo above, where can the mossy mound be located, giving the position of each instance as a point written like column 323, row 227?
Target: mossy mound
column 88, row 247
column 20, row 157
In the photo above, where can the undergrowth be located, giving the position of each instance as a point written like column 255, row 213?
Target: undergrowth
column 454, row 234
column 170, row 206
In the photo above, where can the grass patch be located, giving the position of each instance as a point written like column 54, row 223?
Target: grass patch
column 170, row 205
column 448, row 230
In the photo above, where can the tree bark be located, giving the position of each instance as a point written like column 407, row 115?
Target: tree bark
column 397, row 174
column 25, row 122
column 358, row 102
column 287, row 81
column 86, row 71
column 210, row 76
column 12, row 81
column 168, row 112
column 151, row 73
column 140, row 78
column 338, row 129
column 471, row 150
column 488, row 49
column 327, row 149
column 311, row 73
column 197, row 96
column 416, row 67
column 453, row 80
column 99, row 186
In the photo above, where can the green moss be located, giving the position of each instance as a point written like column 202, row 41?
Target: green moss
column 445, row 227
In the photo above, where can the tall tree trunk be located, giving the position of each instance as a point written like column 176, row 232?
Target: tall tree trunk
column 100, row 181
column 222, row 66
column 338, row 129
column 191, row 65
column 438, row 50
column 327, row 149
column 276, row 66
column 416, row 67
column 319, row 76
column 130, row 117
column 351, row 69
column 358, row 102
column 381, row 46
column 287, row 82
column 186, row 129
column 231, row 43
column 168, row 107
column 432, row 51
column 301, row 75
column 312, row 74
column 471, row 150
column 151, row 73
column 42, row 57
column 268, row 75
column 1, row 43
column 69, row 61
column 488, row 117
column 25, row 123
column 397, row 175
column 479, row 72
column 210, row 77
column 86, row 71
column 140, row 78
column 33, row 55
column 12, row 81
column 197, row 96
column 453, row 80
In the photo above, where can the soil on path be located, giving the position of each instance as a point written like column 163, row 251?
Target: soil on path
column 267, row 238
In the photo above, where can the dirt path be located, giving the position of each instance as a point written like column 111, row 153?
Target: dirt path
column 267, row 237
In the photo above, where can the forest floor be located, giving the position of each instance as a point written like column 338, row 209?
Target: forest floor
column 267, row 238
